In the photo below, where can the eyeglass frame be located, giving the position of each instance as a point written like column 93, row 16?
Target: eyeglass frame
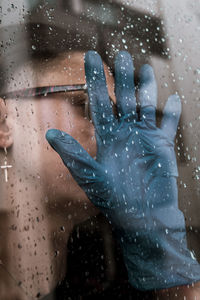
column 45, row 90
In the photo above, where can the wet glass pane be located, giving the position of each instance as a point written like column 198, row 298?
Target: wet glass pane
column 123, row 221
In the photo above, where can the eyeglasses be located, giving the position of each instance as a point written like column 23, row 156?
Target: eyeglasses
column 43, row 91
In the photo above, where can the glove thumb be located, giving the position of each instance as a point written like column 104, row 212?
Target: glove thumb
column 81, row 165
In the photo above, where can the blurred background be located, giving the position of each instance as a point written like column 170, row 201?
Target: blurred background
column 162, row 33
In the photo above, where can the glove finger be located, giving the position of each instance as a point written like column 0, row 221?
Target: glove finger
column 100, row 104
column 124, row 85
column 80, row 164
column 148, row 94
column 171, row 116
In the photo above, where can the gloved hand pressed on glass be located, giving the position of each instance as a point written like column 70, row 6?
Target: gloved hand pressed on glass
column 133, row 178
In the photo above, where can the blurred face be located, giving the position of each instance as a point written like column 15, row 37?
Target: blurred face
column 40, row 194
column 30, row 118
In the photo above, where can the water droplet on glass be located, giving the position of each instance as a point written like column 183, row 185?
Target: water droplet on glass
column 192, row 255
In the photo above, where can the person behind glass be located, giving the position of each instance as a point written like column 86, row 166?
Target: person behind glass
column 40, row 200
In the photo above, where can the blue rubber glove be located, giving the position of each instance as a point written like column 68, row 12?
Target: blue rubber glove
column 133, row 179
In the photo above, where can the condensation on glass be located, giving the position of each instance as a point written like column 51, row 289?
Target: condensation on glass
column 53, row 241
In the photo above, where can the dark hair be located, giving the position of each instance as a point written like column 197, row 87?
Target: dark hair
column 101, row 25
